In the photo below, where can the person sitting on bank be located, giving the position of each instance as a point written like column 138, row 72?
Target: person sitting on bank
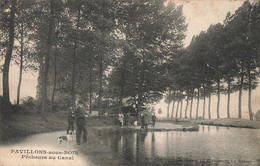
column 80, row 122
column 70, row 121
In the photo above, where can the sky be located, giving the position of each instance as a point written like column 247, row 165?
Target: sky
column 200, row 14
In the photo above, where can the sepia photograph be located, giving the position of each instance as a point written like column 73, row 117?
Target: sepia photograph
column 129, row 82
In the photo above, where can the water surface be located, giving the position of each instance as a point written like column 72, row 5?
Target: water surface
column 211, row 145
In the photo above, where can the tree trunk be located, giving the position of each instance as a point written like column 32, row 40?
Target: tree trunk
column 6, row 95
column 218, row 99
column 173, row 104
column 204, row 101
column 249, row 93
column 21, row 67
column 177, row 109
column 100, row 86
column 186, row 108
column 228, row 102
column 191, row 104
column 90, row 86
column 249, row 67
column 181, row 109
column 55, row 79
column 122, row 89
column 240, row 92
column 73, row 93
column 168, row 107
column 47, row 59
column 198, row 103
column 209, row 105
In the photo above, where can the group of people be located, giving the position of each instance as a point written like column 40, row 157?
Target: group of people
column 144, row 123
column 78, row 115
column 123, row 120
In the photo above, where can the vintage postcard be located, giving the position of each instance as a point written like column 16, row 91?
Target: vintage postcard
column 129, row 82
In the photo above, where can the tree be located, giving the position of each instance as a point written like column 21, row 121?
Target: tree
column 168, row 100
column 243, row 47
column 253, row 57
column 11, row 26
column 173, row 103
column 104, row 24
column 181, row 106
column 198, row 54
column 47, row 57
column 215, row 61
column 186, row 107
column 23, row 36
column 75, row 53
column 114, row 46
column 147, row 47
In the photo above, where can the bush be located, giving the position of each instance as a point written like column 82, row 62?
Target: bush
column 29, row 103
column 7, row 107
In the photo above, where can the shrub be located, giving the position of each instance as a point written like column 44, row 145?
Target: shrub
column 29, row 103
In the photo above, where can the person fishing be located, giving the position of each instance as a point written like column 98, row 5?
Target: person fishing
column 80, row 122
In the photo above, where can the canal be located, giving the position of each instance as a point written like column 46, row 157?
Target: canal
column 211, row 145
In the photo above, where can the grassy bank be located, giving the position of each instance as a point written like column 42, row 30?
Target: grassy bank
column 228, row 122
column 14, row 126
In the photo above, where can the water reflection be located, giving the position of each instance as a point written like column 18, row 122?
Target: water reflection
column 213, row 146
column 153, row 145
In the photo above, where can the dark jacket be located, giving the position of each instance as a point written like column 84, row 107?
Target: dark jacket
column 71, row 116
column 153, row 117
column 80, row 117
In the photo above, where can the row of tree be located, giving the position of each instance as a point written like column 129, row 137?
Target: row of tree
column 103, row 51
column 99, row 51
column 224, row 59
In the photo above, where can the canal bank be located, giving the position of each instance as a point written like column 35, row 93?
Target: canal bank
column 227, row 122
column 159, row 127
column 16, row 127
column 230, row 122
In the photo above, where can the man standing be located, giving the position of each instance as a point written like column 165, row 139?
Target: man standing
column 126, row 120
column 153, row 120
column 81, row 123
column 70, row 121
column 142, row 121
